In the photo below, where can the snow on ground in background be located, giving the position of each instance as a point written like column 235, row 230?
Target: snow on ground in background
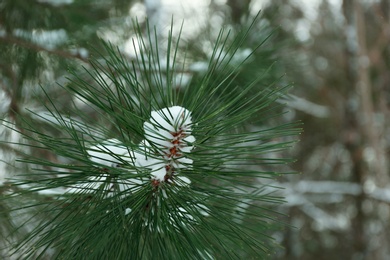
column 192, row 15
column 49, row 39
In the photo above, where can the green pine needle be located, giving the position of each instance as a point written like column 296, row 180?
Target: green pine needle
column 225, row 212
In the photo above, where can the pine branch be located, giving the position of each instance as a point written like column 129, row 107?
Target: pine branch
column 168, row 173
column 9, row 39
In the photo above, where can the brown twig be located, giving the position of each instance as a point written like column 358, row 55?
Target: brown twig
column 32, row 46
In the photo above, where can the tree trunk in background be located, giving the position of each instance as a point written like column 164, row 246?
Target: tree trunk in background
column 370, row 128
column 364, row 133
column 238, row 9
column 354, row 139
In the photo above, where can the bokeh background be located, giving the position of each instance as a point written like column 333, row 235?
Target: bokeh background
column 334, row 52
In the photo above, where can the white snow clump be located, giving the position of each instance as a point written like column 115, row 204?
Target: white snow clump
column 164, row 153
column 168, row 142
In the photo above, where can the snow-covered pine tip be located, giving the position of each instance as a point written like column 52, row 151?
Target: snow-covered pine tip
column 110, row 153
column 168, row 141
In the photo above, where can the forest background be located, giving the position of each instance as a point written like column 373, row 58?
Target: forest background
column 334, row 52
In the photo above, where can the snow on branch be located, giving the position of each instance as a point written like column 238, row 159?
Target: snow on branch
column 294, row 192
column 305, row 106
column 308, row 196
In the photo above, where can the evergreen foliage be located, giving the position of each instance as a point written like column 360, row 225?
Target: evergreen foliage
column 89, row 188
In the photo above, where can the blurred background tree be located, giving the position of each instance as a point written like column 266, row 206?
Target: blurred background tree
column 335, row 52
column 337, row 56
